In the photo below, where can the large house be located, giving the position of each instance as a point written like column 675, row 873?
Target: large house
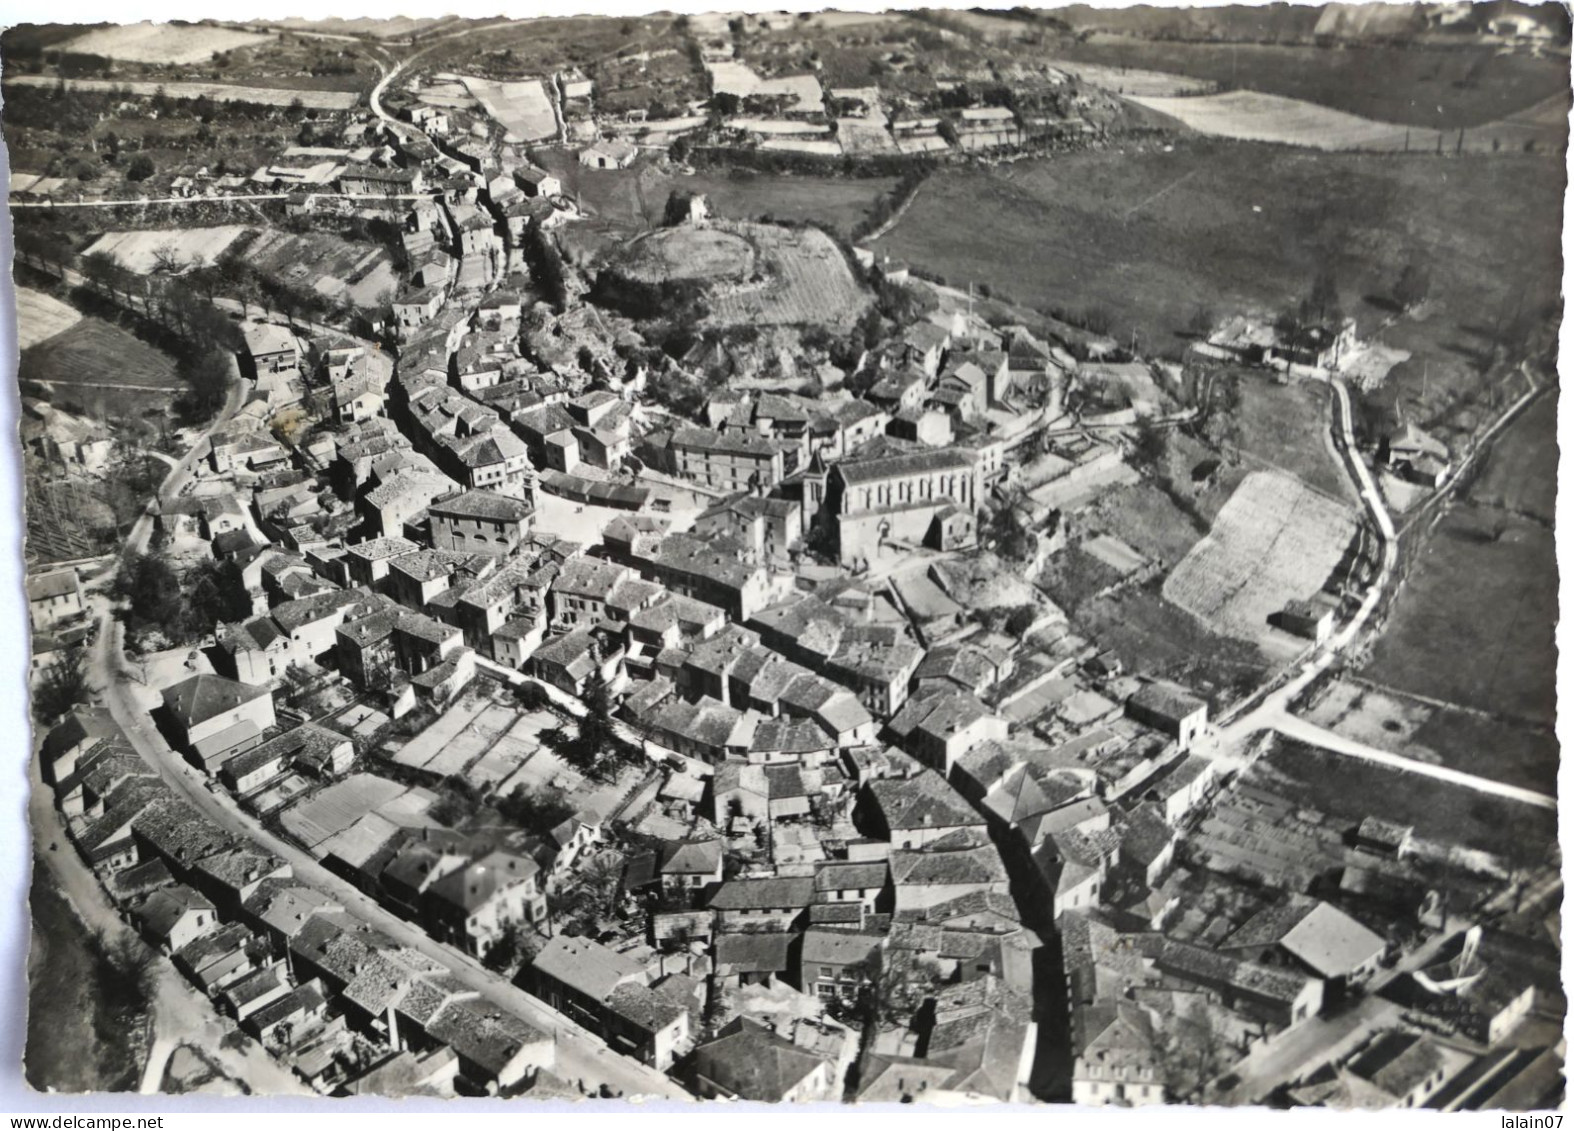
column 612, row 996
column 211, row 717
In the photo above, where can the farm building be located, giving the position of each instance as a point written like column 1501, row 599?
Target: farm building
column 54, row 597
column 1316, row 936
column 1166, row 708
column 1310, row 619
column 608, row 155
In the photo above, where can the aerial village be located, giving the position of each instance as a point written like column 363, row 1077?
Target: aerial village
column 699, row 705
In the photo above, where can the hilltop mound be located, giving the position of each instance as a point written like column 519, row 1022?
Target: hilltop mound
column 727, row 274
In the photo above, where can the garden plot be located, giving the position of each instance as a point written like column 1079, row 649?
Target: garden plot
column 523, row 108
column 40, row 317
column 861, row 136
column 473, row 741
column 430, row 742
column 1276, row 540
column 512, row 749
column 177, row 44
column 142, row 251
column 740, row 79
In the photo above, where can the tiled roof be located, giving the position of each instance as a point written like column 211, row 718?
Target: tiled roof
column 203, row 696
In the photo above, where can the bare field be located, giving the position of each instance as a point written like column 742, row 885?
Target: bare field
column 172, row 43
column 218, row 92
column 684, row 253
column 140, row 251
column 1246, row 115
column 1133, row 82
column 1275, row 540
column 40, row 317
column 1427, row 88
column 396, row 27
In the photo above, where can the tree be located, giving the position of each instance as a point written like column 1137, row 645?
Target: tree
column 62, row 687
column 578, row 907
column 207, row 378
column 1322, row 304
column 155, row 601
column 595, row 741
column 1013, row 540
column 515, row 947
column 1414, row 284
column 166, row 258
column 217, row 596
column 893, row 986
column 537, row 810
column 1190, row 1051
column 1201, row 322
column 1149, row 446
column 140, row 169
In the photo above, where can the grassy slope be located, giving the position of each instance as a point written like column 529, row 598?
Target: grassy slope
column 1150, row 236
column 71, row 1045
column 93, row 350
column 1485, row 586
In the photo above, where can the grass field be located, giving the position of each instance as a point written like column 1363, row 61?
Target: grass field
column 1132, row 82
column 1274, row 541
column 1150, row 237
column 1521, row 473
column 176, row 44
column 1286, row 427
column 1350, row 789
column 40, row 317
column 1485, row 586
column 396, row 27
column 1437, row 89
column 1521, row 754
column 1143, row 516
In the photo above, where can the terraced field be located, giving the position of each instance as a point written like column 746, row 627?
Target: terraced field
column 804, row 280
column 1276, row 540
